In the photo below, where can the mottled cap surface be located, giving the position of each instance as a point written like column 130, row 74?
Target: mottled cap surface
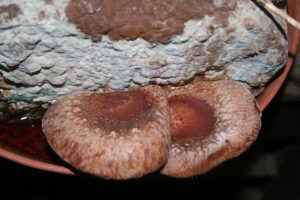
column 230, row 125
column 113, row 135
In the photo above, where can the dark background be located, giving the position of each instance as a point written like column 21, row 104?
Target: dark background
column 269, row 170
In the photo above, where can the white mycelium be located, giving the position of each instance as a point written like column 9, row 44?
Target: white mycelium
column 44, row 57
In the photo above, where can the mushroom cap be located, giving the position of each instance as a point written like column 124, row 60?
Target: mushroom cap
column 117, row 135
column 211, row 122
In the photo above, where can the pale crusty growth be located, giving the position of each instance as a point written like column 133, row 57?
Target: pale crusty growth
column 113, row 135
column 236, row 125
column 47, row 53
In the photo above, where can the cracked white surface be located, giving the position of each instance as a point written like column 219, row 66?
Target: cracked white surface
column 46, row 57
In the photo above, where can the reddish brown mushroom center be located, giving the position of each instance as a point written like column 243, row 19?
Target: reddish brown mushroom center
column 191, row 117
column 120, row 105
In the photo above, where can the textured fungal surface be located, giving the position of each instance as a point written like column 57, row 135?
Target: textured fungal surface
column 113, row 135
column 155, row 21
column 231, row 126
column 51, row 48
column 191, row 118
column 8, row 12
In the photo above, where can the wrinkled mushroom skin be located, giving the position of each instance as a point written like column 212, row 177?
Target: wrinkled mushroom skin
column 113, row 135
column 227, row 124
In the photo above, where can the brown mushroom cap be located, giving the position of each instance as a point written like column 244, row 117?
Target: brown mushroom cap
column 113, row 135
column 211, row 122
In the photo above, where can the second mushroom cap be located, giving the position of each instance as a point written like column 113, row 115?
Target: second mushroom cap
column 211, row 122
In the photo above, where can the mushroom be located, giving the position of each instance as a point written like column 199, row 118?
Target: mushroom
column 117, row 135
column 211, row 122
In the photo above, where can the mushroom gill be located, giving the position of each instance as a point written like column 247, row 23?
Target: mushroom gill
column 211, row 122
column 112, row 135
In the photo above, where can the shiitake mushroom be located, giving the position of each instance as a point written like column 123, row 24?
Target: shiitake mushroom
column 122, row 135
column 211, row 122
column 118, row 135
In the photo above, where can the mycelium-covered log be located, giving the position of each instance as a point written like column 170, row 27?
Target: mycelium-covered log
column 51, row 48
